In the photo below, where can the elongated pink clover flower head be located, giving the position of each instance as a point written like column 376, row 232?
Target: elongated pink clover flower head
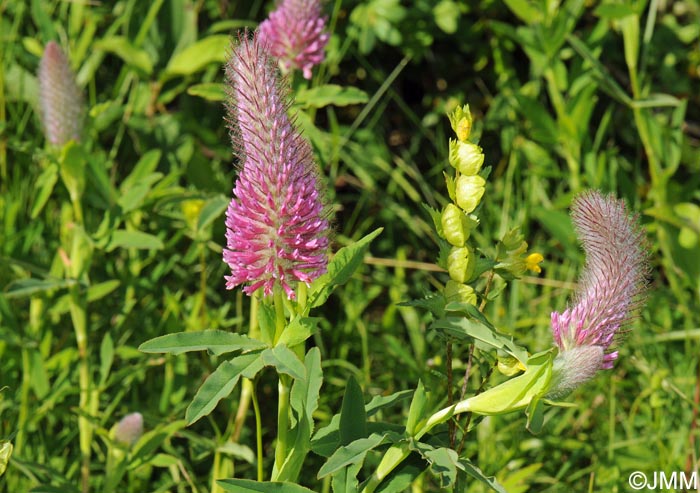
column 295, row 33
column 276, row 226
column 129, row 429
column 59, row 97
column 609, row 293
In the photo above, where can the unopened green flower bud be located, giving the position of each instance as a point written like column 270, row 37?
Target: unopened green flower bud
column 456, row 225
column 466, row 157
column 461, row 121
column 461, row 263
column 460, row 293
column 469, row 191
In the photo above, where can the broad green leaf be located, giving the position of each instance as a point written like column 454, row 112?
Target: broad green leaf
column 399, row 480
column 216, row 342
column 353, row 420
column 238, row 451
column 134, row 196
column 124, row 49
column 352, row 453
column 327, row 94
column 443, row 463
column 122, row 238
column 526, row 11
column 211, row 91
column 345, row 262
column 29, row 287
column 213, row 49
column 219, row 385
column 44, row 184
column 284, row 360
column 248, row 485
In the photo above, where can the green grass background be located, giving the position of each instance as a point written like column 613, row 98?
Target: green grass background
column 566, row 96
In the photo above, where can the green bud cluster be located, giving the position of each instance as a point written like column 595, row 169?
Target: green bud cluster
column 457, row 221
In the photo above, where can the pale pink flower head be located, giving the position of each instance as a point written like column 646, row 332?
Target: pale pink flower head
column 60, row 99
column 295, row 33
column 276, row 226
column 129, row 429
column 609, row 292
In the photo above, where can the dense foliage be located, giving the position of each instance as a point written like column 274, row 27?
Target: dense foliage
column 566, row 96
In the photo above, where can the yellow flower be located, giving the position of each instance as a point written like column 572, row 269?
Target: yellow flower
column 532, row 262
column 464, row 128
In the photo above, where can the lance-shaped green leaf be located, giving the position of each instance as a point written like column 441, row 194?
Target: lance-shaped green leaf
column 284, row 360
column 214, row 341
column 343, row 265
column 352, row 453
column 247, row 485
column 221, row 383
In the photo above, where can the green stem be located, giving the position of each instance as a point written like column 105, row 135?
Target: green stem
column 258, row 434
column 78, row 309
column 282, row 424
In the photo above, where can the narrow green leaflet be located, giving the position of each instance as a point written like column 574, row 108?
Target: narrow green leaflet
column 30, row 287
column 304, row 401
column 353, row 420
column 247, row 485
column 144, row 167
column 327, row 94
column 122, row 238
column 475, row 472
column 211, row 91
column 417, row 412
column 345, row 480
column 213, row 209
column 352, row 453
column 462, row 327
column 443, row 463
column 299, row 330
column 220, row 384
column 216, row 342
column 345, row 262
column 44, row 184
column 124, row 49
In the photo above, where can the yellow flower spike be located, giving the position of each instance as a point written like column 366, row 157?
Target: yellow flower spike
column 532, row 262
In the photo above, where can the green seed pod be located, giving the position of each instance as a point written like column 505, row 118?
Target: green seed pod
column 469, row 191
column 461, row 293
column 466, row 157
column 460, row 264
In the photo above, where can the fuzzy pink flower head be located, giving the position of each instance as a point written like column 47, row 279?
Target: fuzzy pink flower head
column 295, row 33
column 276, row 227
column 610, row 286
column 129, row 429
column 59, row 97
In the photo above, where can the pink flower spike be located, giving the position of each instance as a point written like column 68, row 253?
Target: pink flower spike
column 610, row 289
column 276, row 228
column 295, row 34
column 59, row 97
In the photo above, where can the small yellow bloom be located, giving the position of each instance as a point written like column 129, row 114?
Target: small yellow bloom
column 532, row 262
column 464, row 128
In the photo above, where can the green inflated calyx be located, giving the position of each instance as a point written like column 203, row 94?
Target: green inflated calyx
column 459, row 293
column 461, row 263
column 456, row 225
column 466, row 157
column 468, row 191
